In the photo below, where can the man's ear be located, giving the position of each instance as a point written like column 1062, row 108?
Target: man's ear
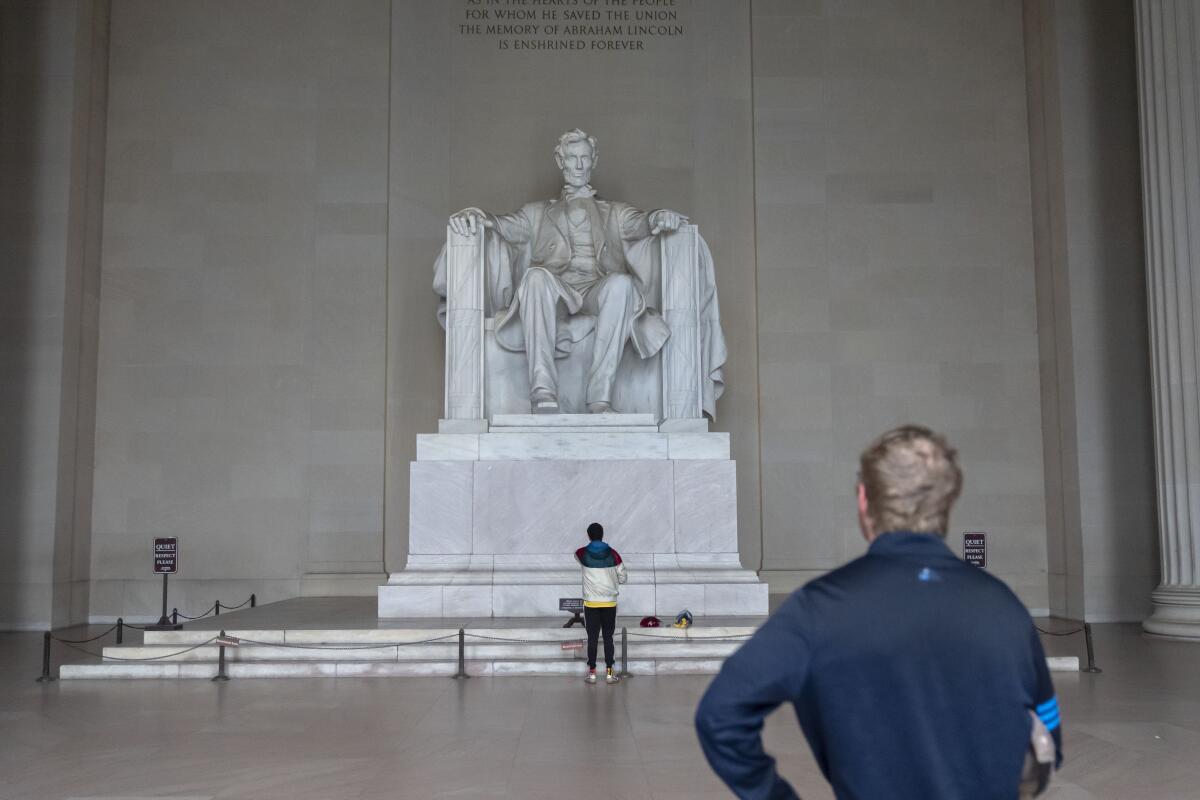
column 864, row 514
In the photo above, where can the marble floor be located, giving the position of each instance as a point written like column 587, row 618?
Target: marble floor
column 1131, row 732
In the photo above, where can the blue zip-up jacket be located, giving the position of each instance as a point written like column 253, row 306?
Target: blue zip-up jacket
column 912, row 674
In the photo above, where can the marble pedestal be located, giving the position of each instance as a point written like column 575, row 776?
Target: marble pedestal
column 496, row 516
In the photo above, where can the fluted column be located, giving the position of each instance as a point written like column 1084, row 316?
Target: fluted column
column 1168, row 87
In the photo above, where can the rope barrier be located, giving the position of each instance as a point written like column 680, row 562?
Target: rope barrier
column 1059, row 633
column 687, row 637
column 210, row 610
column 84, row 641
column 300, row 646
column 217, row 607
column 460, row 635
column 151, row 658
column 513, row 641
column 1086, row 629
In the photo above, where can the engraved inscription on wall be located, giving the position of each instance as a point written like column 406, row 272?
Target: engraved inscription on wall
column 578, row 25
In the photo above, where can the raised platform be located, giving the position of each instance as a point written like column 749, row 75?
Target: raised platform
column 340, row 637
column 497, row 512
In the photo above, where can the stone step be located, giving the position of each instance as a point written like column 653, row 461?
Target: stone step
column 589, row 421
column 572, row 444
column 423, row 652
column 576, row 429
column 378, row 669
column 399, row 669
column 349, row 636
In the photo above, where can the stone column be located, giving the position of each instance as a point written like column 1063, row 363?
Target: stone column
column 1168, row 80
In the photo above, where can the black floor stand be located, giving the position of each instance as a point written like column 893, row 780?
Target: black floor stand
column 164, row 622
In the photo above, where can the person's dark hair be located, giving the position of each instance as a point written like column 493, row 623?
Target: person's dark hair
column 595, row 531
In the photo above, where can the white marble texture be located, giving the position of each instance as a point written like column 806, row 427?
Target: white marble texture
column 734, row 598
column 447, row 447
column 670, row 599
column 696, row 446
column 462, row 426
column 572, row 446
column 531, row 601
column 467, row 601
column 464, row 326
column 705, row 506
column 440, row 507
column 726, row 593
column 646, row 421
column 684, row 425
column 576, row 429
column 545, row 507
column 572, row 442
column 414, row 601
column 682, row 362
column 638, row 388
column 1168, row 72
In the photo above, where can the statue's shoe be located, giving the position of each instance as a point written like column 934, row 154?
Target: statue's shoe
column 600, row 408
column 544, row 404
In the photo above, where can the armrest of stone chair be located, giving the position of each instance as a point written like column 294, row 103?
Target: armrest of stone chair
column 682, row 373
column 465, row 286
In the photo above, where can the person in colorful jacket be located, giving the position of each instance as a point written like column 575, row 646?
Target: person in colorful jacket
column 603, row 571
column 914, row 675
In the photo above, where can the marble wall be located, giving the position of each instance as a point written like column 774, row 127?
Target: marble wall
column 1101, row 518
column 276, row 180
column 241, row 391
column 474, row 125
column 896, row 272
column 53, row 64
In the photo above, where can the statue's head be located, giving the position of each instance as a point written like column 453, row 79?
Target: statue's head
column 576, row 156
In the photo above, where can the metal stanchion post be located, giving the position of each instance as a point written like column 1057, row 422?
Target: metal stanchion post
column 1091, row 653
column 46, row 677
column 217, row 606
column 221, row 676
column 174, row 616
column 462, row 656
column 164, row 622
column 625, row 652
column 163, row 619
column 253, row 601
column 120, row 630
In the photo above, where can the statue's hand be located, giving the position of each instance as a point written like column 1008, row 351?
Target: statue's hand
column 666, row 221
column 469, row 220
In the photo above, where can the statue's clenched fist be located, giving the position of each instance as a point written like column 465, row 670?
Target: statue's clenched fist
column 665, row 220
column 469, row 220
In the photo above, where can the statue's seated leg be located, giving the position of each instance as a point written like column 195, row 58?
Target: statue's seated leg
column 613, row 301
column 539, row 297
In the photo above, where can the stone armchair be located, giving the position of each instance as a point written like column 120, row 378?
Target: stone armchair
column 679, row 384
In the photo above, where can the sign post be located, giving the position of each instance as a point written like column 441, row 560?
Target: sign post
column 575, row 606
column 166, row 562
column 975, row 549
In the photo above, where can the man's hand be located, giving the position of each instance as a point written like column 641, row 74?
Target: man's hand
column 469, row 220
column 665, row 220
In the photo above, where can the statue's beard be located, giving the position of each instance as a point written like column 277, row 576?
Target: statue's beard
column 578, row 181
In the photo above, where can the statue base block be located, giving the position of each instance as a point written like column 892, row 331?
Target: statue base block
column 495, row 519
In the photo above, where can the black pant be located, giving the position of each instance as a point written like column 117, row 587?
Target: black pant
column 596, row 620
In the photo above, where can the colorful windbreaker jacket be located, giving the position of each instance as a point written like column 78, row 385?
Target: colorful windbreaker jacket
column 602, row 571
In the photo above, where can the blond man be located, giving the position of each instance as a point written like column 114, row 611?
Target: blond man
column 913, row 674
